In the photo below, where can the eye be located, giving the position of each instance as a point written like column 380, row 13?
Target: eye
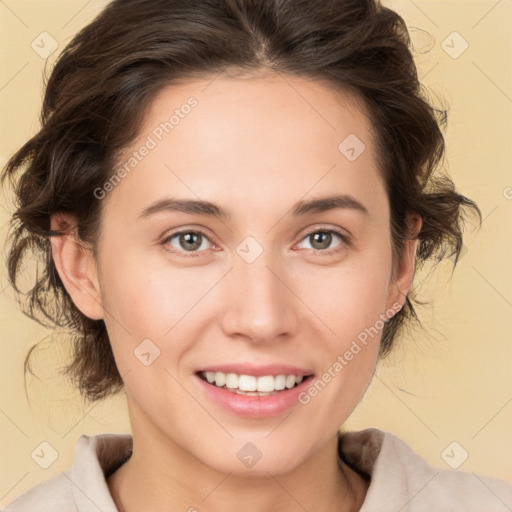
column 193, row 242
column 188, row 241
column 321, row 239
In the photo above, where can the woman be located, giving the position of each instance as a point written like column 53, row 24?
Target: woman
column 232, row 198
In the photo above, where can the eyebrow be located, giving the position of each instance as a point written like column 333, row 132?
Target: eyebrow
column 206, row 208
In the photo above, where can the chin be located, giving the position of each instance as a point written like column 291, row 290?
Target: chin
column 244, row 459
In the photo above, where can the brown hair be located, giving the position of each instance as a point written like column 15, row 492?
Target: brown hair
column 103, row 81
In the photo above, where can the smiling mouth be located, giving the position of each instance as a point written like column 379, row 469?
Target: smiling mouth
column 252, row 385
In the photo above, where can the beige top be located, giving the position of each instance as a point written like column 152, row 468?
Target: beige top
column 401, row 480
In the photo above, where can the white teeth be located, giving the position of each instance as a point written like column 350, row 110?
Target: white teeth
column 265, row 384
column 220, row 379
column 250, row 384
column 290, row 381
column 280, row 382
column 247, row 383
column 231, row 381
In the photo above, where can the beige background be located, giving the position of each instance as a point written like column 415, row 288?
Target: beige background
column 451, row 383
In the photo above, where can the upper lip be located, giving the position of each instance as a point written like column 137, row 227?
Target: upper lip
column 257, row 371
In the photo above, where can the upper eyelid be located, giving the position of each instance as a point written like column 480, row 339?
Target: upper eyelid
column 338, row 231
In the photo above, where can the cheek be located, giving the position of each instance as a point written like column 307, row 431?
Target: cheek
column 146, row 299
column 347, row 299
column 350, row 346
column 347, row 304
column 351, row 305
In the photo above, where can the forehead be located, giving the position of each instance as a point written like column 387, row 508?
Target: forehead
column 256, row 140
column 264, row 105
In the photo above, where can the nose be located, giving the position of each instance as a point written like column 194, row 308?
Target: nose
column 258, row 303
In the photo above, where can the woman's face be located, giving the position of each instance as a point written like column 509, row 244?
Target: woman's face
column 269, row 288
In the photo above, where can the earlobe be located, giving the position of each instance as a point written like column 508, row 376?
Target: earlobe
column 76, row 266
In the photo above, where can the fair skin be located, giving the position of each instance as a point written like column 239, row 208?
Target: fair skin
column 253, row 147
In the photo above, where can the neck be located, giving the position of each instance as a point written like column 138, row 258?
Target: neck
column 162, row 476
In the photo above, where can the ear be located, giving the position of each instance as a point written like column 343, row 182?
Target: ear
column 76, row 266
column 403, row 277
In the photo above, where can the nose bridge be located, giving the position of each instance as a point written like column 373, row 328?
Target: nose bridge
column 257, row 303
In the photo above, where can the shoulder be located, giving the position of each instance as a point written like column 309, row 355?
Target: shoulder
column 52, row 495
column 402, row 480
column 83, row 485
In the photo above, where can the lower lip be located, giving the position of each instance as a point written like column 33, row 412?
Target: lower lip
column 254, row 406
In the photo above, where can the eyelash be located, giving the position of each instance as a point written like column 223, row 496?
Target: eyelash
column 344, row 238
